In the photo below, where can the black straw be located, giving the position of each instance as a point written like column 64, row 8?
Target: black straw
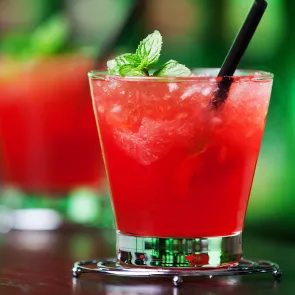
column 237, row 51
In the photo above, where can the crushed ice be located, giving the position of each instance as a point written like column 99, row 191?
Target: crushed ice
column 172, row 87
column 190, row 91
column 148, row 145
column 206, row 91
column 100, row 109
column 182, row 116
column 216, row 121
column 257, row 74
column 203, row 75
column 116, row 109
column 114, row 84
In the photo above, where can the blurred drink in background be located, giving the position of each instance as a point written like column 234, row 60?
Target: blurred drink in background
column 50, row 153
column 49, row 143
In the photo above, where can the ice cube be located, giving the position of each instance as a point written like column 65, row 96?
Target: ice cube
column 190, row 91
column 172, row 87
column 114, row 84
column 106, row 90
column 216, row 121
column 206, row 91
column 182, row 116
column 116, row 108
column 257, row 74
column 140, row 146
column 203, row 75
column 153, row 139
column 100, row 109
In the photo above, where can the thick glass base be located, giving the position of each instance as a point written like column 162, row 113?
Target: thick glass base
column 111, row 267
column 198, row 252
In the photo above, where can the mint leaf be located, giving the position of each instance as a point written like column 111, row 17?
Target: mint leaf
column 125, row 69
column 123, row 60
column 137, row 73
column 147, row 54
column 173, row 68
column 128, row 70
column 149, row 49
column 128, row 58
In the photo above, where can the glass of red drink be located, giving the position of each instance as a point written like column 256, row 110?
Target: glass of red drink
column 180, row 171
column 48, row 137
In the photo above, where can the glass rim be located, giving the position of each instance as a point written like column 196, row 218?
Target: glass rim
column 241, row 75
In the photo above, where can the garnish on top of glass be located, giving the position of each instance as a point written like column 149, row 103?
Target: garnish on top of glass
column 140, row 63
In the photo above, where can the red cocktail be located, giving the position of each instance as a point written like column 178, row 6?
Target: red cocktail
column 180, row 171
column 47, row 129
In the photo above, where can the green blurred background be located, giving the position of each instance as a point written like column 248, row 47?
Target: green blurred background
column 197, row 33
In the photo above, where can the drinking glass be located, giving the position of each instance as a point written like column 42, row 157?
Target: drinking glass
column 50, row 154
column 180, row 169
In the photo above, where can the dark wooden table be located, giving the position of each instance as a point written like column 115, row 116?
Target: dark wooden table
column 39, row 263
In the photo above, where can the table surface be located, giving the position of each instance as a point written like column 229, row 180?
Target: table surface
column 34, row 263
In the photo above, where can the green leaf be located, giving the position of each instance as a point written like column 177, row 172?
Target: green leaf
column 50, row 37
column 126, row 59
column 128, row 71
column 14, row 44
column 147, row 54
column 173, row 68
column 125, row 69
column 137, row 73
column 149, row 49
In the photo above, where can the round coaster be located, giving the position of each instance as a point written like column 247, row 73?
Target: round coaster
column 111, row 267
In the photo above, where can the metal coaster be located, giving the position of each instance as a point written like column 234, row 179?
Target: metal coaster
column 111, row 267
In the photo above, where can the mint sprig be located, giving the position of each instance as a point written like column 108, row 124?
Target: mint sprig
column 122, row 61
column 173, row 68
column 146, row 55
column 149, row 49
